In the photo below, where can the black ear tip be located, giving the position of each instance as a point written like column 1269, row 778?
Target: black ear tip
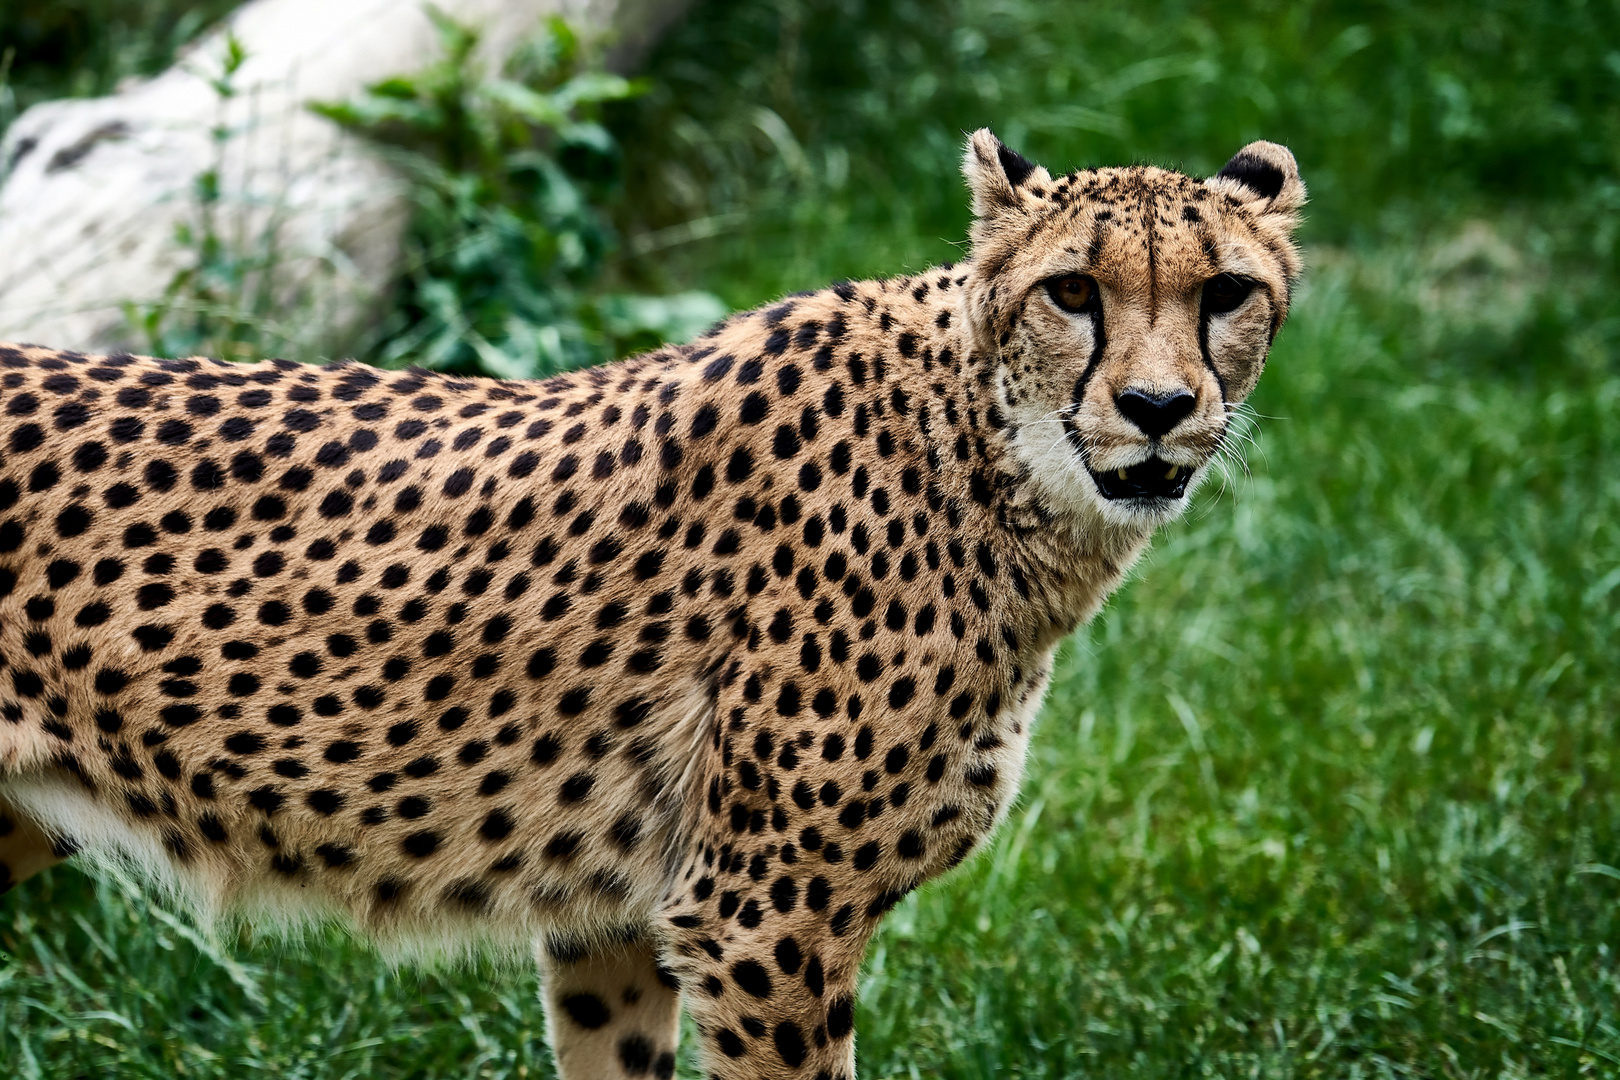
column 1254, row 173
column 1016, row 166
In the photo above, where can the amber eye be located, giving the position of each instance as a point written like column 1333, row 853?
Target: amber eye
column 1224, row 293
column 1073, row 292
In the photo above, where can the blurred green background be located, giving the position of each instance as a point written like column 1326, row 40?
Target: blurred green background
column 1329, row 788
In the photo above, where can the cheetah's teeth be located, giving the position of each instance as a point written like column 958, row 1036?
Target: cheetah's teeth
column 1154, row 478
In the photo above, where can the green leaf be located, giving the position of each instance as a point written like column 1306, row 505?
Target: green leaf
column 591, row 135
column 400, row 86
column 597, row 86
column 506, row 243
column 456, row 38
column 537, row 108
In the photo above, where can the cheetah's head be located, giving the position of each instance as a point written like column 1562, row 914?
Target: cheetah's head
column 1130, row 312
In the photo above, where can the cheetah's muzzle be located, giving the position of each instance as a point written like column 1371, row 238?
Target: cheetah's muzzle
column 1154, row 478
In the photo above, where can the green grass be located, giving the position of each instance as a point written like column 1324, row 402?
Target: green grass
column 1329, row 789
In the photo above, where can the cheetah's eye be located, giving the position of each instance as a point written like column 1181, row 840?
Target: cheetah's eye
column 1224, row 293
column 1073, row 292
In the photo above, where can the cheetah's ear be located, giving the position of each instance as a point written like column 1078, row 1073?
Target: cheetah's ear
column 995, row 173
column 1264, row 174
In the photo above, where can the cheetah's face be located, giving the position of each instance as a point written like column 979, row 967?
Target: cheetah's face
column 1130, row 312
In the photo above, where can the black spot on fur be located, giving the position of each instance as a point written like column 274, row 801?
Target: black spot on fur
column 586, row 1010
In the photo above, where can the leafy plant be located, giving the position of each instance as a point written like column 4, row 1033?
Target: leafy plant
column 223, row 302
column 509, row 173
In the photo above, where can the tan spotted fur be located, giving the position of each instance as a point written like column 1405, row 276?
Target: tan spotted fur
column 682, row 670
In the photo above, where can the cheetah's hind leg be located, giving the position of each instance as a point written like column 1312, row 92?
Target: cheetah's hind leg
column 612, row 1011
column 25, row 848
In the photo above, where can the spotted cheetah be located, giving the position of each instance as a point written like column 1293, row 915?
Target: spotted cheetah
column 681, row 671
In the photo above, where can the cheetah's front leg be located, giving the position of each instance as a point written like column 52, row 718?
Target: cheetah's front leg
column 769, row 978
column 611, row 1011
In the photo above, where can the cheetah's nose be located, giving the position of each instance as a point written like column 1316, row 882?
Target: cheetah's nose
column 1156, row 415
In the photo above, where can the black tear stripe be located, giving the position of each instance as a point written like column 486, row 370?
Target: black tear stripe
column 1099, row 233
column 1209, row 361
column 1099, row 344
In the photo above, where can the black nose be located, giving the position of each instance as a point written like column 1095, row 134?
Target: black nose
column 1155, row 415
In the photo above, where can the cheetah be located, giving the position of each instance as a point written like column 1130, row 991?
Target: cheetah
column 680, row 671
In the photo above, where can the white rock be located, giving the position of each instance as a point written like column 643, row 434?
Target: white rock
column 95, row 189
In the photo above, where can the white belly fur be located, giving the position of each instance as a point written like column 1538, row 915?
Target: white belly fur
column 222, row 898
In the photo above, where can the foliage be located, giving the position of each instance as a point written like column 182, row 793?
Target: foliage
column 784, row 113
column 223, row 301
column 80, row 48
column 508, row 174
column 1329, row 790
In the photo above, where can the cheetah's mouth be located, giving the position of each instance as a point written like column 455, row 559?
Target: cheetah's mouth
column 1154, row 478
